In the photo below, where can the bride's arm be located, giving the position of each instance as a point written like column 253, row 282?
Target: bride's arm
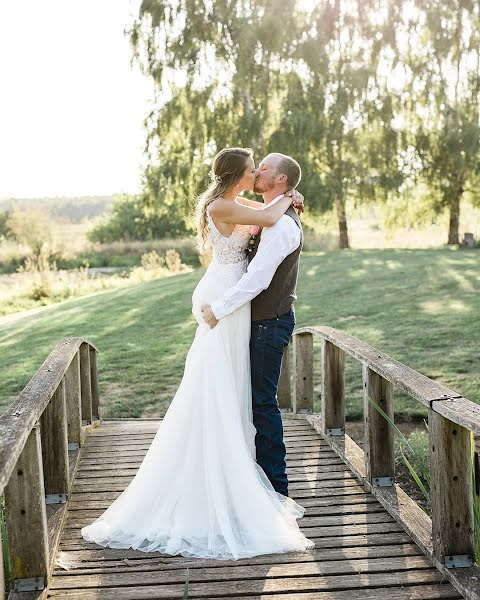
column 296, row 197
column 252, row 203
column 227, row 211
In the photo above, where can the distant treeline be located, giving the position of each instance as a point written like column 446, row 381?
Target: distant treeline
column 73, row 209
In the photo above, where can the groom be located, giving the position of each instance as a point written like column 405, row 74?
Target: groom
column 270, row 284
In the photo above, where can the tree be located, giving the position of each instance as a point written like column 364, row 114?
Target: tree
column 32, row 227
column 441, row 98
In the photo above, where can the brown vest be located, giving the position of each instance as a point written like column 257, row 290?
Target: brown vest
column 278, row 298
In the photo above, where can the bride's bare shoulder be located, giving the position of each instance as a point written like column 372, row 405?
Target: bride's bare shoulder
column 219, row 207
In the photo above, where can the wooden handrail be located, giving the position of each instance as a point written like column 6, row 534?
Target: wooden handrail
column 413, row 383
column 18, row 420
column 448, row 537
column 40, row 437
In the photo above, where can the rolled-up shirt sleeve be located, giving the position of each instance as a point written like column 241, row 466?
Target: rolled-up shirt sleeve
column 276, row 243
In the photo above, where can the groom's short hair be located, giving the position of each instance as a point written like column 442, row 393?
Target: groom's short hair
column 289, row 166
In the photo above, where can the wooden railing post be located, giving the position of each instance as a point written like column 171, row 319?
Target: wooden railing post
column 73, row 401
column 94, row 384
column 86, row 385
column 333, row 389
column 284, row 394
column 451, row 491
column 379, row 438
column 53, row 424
column 303, row 360
column 26, row 519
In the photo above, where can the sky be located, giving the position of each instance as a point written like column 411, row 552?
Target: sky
column 71, row 105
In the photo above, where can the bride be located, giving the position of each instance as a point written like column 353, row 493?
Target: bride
column 199, row 491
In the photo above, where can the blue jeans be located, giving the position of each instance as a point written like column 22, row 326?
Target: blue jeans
column 268, row 340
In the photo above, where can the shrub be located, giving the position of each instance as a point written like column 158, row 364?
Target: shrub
column 130, row 220
column 32, row 227
column 173, row 260
column 417, row 452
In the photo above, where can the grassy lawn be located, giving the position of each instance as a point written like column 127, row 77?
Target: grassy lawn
column 420, row 306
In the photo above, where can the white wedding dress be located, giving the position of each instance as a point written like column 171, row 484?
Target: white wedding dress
column 199, row 491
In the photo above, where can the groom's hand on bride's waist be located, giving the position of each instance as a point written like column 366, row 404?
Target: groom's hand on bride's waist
column 208, row 316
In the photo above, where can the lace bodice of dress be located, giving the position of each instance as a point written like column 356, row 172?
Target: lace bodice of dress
column 228, row 250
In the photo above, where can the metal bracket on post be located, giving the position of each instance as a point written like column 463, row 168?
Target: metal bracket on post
column 30, row 584
column 304, row 411
column 459, row 560
column 444, row 397
column 85, row 422
column 56, row 498
column 383, row 481
column 73, row 445
column 336, row 431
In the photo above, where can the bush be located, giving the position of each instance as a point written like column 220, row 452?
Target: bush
column 130, row 220
column 32, row 227
column 4, row 229
column 418, row 453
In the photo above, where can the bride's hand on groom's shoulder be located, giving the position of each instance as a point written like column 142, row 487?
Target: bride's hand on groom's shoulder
column 208, row 316
column 297, row 200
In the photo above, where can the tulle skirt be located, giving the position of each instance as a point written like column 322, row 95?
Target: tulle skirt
column 199, row 491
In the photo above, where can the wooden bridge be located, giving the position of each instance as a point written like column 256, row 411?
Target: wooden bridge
column 61, row 467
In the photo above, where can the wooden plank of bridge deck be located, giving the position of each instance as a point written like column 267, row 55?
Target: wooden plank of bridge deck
column 360, row 550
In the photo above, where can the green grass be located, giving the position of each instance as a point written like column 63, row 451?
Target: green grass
column 419, row 306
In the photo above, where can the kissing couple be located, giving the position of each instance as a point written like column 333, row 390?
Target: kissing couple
column 213, row 483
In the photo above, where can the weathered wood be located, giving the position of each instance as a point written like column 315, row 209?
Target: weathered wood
column 73, row 401
column 86, row 385
column 346, row 541
column 79, row 561
column 460, row 411
column 94, row 384
column 303, row 377
column 284, row 395
column 405, row 511
column 409, row 592
column 70, row 535
column 451, row 488
column 379, row 448
column 243, row 573
column 333, row 388
column 249, row 587
column 54, row 436
column 410, row 381
column 26, row 517
column 20, row 417
column 313, row 505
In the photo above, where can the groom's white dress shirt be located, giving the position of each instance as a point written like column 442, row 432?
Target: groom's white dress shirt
column 276, row 243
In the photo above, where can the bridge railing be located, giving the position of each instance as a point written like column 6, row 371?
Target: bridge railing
column 448, row 536
column 40, row 438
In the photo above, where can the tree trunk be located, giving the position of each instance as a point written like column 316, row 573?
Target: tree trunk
column 342, row 222
column 454, row 206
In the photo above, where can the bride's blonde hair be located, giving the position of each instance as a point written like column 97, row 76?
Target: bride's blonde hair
column 227, row 170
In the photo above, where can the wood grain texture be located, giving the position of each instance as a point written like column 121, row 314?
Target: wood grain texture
column 20, row 417
column 451, row 488
column 73, row 400
column 86, row 383
column 379, row 449
column 333, row 387
column 303, row 376
column 361, row 551
column 54, row 436
column 26, row 516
